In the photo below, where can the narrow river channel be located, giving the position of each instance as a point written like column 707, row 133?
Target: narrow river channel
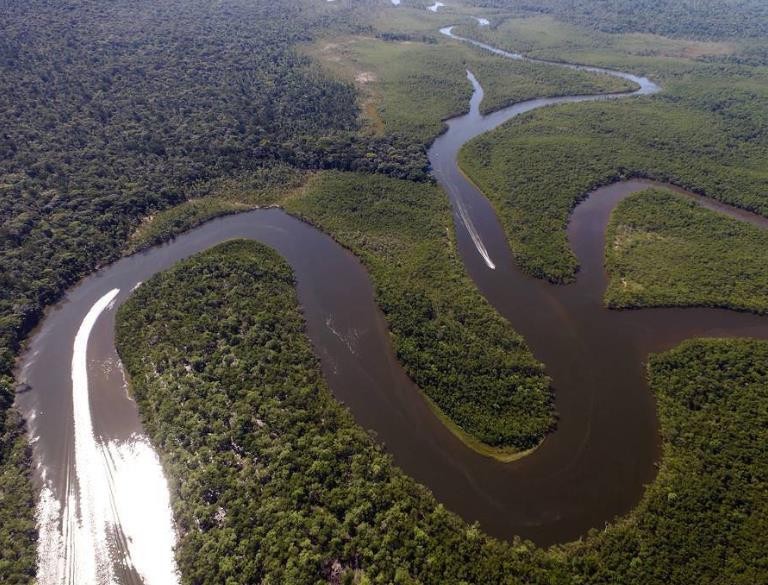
column 104, row 513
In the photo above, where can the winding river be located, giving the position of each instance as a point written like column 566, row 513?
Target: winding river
column 104, row 512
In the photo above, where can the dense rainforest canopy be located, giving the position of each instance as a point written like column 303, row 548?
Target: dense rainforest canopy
column 112, row 111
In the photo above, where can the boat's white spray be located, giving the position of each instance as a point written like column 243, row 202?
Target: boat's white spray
column 473, row 233
column 118, row 494
column 466, row 220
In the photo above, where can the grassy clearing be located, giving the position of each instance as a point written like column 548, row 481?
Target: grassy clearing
column 724, row 77
column 547, row 38
column 662, row 249
column 409, row 87
column 412, row 18
column 720, row 19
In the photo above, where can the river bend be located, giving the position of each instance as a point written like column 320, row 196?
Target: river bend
column 104, row 514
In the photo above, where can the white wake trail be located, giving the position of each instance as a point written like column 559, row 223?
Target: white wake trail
column 471, row 229
column 120, row 489
column 89, row 561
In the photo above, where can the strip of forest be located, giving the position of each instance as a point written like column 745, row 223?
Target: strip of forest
column 675, row 18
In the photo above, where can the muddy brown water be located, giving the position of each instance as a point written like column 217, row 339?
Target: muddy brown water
column 593, row 468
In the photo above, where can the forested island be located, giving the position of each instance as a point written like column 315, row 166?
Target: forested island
column 125, row 124
column 663, row 250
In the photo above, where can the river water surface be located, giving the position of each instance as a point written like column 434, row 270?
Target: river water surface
column 104, row 513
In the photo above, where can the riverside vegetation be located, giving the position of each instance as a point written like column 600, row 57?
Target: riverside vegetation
column 452, row 343
column 537, row 167
column 273, row 482
column 707, row 131
column 103, row 125
column 112, row 112
column 475, row 369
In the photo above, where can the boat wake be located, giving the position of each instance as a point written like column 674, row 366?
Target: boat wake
column 114, row 524
column 473, row 233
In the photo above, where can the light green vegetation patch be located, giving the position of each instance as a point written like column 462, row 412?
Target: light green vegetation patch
column 272, row 481
column 662, row 249
column 411, row 21
column 720, row 77
column 454, row 345
column 409, row 88
column 674, row 18
column 546, row 38
column 537, row 167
